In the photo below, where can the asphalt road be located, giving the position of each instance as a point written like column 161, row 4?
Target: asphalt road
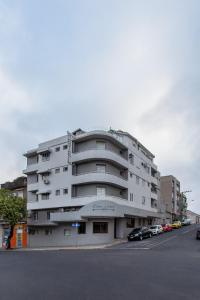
column 164, row 267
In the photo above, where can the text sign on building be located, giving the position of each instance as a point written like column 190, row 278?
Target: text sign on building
column 75, row 225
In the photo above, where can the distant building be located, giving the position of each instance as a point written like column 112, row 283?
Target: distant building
column 170, row 195
column 90, row 188
column 19, row 188
column 194, row 217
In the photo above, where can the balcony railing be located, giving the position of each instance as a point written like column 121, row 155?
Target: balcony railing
column 99, row 198
column 96, row 149
column 99, row 172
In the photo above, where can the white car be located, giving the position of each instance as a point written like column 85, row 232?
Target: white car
column 156, row 229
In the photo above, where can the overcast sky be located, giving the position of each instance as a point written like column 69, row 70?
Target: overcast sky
column 131, row 65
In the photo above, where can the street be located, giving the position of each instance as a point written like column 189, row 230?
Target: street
column 163, row 267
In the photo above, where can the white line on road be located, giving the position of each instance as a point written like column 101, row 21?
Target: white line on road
column 130, row 248
column 188, row 231
column 166, row 240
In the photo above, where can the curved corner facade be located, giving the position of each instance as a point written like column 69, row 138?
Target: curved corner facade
column 90, row 188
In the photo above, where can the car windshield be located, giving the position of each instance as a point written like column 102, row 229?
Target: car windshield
column 135, row 230
column 153, row 227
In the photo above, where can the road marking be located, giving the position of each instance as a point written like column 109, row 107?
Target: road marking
column 157, row 244
column 188, row 231
column 142, row 248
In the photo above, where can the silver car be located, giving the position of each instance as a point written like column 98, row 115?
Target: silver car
column 156, row 229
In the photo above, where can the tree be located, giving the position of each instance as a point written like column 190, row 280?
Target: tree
column 12, row 211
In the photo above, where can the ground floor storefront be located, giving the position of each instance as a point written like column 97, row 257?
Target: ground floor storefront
column 99, row 222
column 89, row 232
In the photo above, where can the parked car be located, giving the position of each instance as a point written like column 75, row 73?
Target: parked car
column 167, row 227
column 139, row 234
column 156, row 229
column 198, row 234
column 186, row 222
column 176, row 224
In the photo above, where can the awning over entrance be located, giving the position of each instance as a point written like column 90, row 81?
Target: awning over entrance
column 102, row 209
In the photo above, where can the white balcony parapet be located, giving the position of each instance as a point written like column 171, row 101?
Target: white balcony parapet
column 100, row 177
column 99, row 154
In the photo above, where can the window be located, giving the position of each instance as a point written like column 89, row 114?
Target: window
column 45, row 196
column 65, row 169
column 143, row 200
column 130, row 223
column 100, row 227
column 57, row 192
column 57, row 149
column 82, row 228
column 57, row 170
column 48, row 215
column 31, row 231
column 131, row 174
column 137, row 179
column 35, row 215
column 65, row 147
column 100, row 145
column 48, row 231
column 131, row 158
column 45, row 156
column 65, row 191
column 101, row 168
column 131, row 196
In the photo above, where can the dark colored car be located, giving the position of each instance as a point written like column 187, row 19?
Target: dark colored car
column 198, row 234
column 139, row 234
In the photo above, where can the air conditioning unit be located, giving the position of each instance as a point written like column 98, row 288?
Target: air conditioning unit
column 46, row 181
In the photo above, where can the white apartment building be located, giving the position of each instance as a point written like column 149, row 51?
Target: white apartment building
column 89, row 188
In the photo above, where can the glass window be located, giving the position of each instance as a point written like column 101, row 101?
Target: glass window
column 82, row 228
column 65, row 147
column 130, row 223
column 57, row 192
column 48, row 231
column 65, row 169
column 57, row 170
column 100, row 227
column 65, row 191
column 57, row 149
column 35, row 215
column 48, row 215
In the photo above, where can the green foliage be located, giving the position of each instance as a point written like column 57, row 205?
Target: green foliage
column 12, row 208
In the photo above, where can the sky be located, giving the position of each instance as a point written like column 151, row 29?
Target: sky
column 130, row 65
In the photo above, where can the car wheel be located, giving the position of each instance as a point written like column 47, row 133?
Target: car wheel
column 150, row 235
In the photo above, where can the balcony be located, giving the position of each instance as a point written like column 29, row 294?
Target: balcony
column 32, row 187
column 33, row 168
column 154, row 180
column 99, row 154
column 100, row 177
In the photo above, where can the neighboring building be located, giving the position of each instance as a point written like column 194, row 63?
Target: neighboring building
column 170, row 196
column 194, row 217
column 103, row 182
column 183, row 206
column 19, row 188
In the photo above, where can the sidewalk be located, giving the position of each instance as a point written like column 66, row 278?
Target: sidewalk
column 89, row 247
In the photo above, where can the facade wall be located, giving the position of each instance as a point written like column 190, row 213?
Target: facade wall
column 53, row 173
column 66, row 235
